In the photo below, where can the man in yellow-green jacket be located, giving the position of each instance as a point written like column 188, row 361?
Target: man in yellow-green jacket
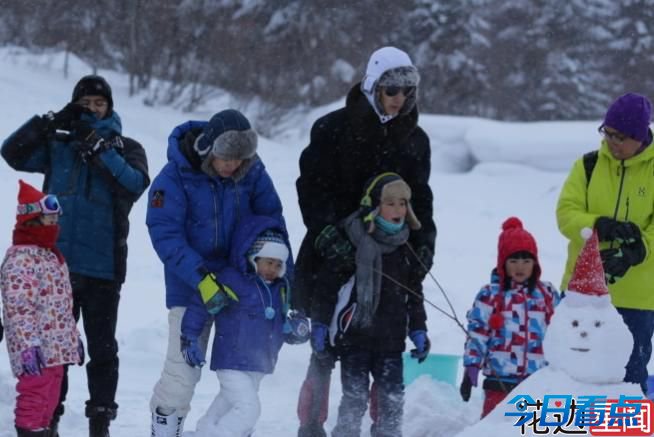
column 613, row 191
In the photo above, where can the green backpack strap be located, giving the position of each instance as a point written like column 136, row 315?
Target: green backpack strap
column 590, row 159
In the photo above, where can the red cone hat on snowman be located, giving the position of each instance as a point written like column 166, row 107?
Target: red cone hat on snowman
column 587, row 279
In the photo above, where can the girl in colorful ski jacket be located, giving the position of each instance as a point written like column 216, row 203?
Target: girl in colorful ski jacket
column 38, row 311
column 508, row 319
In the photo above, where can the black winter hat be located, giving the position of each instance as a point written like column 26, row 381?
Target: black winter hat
column 93, row 85
column 386, row 186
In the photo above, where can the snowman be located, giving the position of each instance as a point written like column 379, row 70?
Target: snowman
column 587, row 346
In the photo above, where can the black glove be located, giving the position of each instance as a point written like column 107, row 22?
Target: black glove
column 628, row 232
column 470, row 376
column 609, row 229
column 335, row 249
column 69, row 113
column 616, row 262
column 606, row 228
column 2, row 331
column 466, row 388
column 425, row 259
column 85, row 140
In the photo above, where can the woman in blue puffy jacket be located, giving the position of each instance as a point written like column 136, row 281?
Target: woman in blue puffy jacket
column 213, row 178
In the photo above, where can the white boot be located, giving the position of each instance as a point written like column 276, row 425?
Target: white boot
column 170, row 425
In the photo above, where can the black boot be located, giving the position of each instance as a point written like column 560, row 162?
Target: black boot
column 99, row 418
column 22, row 432
column 54, row 425
column 313, row 429
column 99, row 427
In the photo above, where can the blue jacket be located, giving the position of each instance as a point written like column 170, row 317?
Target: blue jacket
column 96, row 196
column 244, row 339
column 191, row 216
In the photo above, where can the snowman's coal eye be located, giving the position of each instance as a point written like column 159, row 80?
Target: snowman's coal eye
column 575, row 323
column 598, row 323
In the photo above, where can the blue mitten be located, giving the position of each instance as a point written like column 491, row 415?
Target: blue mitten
column 421, row 342
column 319, row 333
column 297, row 329
column 193, row 355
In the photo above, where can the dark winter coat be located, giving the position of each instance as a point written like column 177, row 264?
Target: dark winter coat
column 191, row 216
column 244, row 339
column 348, row 147
column 398, row 313
column 96, row 196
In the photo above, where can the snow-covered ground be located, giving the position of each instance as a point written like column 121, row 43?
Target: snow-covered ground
column 483, row 171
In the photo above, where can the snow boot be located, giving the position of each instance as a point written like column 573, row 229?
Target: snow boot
column 311, row 429
column 22, row 432
column 166, row 425
column 99, row 418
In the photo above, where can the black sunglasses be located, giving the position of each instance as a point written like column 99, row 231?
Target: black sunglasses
column 393, row 90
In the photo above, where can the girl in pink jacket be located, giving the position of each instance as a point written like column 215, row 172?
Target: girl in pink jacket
column 41, row 333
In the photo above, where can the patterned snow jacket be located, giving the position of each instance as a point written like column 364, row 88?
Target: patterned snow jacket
column 245, row 339
column 506, row 329
column 191, row 216
column 37, row 306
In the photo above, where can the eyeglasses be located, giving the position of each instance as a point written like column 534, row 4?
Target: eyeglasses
column 393, row 90
column 614, row 137
column 48, row 205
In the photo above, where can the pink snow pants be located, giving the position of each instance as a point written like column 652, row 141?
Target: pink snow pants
column 38, row 396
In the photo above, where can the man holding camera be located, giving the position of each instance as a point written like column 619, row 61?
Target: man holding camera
column 97, row 174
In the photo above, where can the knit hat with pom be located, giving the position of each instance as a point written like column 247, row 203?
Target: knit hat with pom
column 514, row 239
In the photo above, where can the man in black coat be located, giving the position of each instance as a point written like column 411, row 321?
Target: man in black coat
column 377, row 131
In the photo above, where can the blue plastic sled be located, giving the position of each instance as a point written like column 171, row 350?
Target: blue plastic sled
column 441, row 367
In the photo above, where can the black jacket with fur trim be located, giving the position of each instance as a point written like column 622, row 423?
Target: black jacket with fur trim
column 348, row 147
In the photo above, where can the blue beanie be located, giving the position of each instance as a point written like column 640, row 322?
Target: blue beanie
column 630, row 115
column 228, row 135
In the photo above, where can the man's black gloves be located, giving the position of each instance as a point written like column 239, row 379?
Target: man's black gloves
column 617, row 261
column 88, row 143
column 609, row 229
column 335, row 249
column 69, row 113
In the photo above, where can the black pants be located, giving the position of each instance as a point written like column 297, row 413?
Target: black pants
column 387, row 401
column 641, row 326
column 96, row 300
